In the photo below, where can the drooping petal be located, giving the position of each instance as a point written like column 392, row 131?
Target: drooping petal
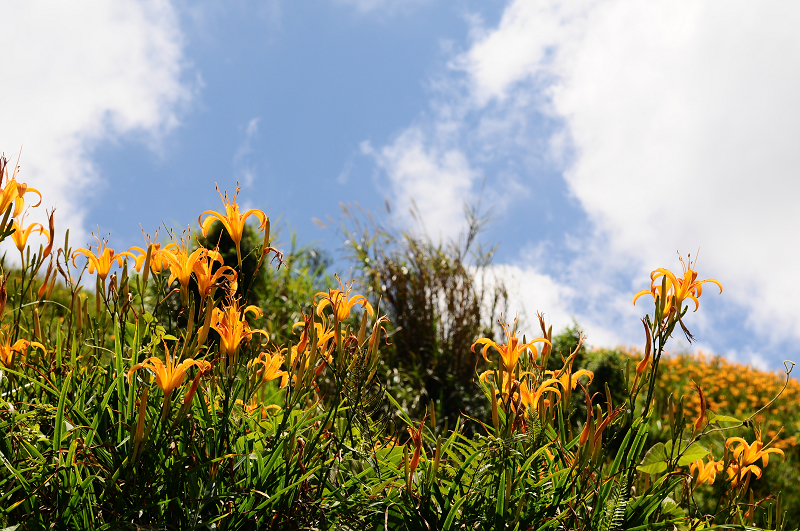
column 321, row 305
column 212, row 217
column 262, row 218
column 713, row 282
column 139, row 260
column 177, row 376
column 640, row 294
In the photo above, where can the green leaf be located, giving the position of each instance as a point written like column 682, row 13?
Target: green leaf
column 713, row 417
column 692, row 454
column 499, row 509
column 655, row 460
column 671, row 511
column 130, row 333
column 448, row 523
column 59, row 420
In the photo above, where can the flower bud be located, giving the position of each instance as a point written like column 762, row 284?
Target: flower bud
column 3, row 297
column 37, row 326
column 647, row 350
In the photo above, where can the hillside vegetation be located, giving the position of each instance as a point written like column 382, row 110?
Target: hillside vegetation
column 213, row 379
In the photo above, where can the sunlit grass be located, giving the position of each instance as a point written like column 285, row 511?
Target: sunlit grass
column 215, row 383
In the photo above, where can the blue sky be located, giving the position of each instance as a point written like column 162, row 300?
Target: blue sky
column 284, row 100
column 602, row 135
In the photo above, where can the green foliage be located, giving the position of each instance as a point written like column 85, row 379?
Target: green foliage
column 328, row 426
column 440, row 297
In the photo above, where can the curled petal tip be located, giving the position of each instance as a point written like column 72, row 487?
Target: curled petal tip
column 643, row 292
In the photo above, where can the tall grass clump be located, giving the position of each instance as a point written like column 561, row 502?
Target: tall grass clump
column 439, row 297
column 146, row 389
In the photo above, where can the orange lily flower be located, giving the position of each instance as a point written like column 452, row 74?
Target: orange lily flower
column 207, row 281
column 13, row 191
column 230, row 324
column 706, row 472
column 103, row 260
column 301, row 357
column 510, row 352
column 569, row 379
column 8, row 351
column 157, row 260
column 745, row 457
column 324, row 332
column 739, row 475
column 748, row 454
column 530, row 398
column 182, row 261
column 169, row 376
column 341, row 302
column 677, row 289
column 232, row 220
column 20, row 235
column 157, row 263
column 270, row 368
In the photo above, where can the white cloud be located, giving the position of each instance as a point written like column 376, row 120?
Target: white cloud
column 430, row 180
column 674, row 125
column 683, row 121
column 752, row 359
column 531, row 292
column 77, row 74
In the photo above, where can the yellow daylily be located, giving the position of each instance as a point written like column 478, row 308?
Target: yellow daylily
column 530, row 398
column 739, row 475
column 232, row 220
column 301, row 355
column 677, row 288
column 13, row 191
column 158, row 262
column 9, row 350
column 324, row 332
column 270, row 368
column 569, row 379
column 208, row 279
column 169, row 375
column 229, row 322
column 181, row 260
column 748, row 454
column 706, row 472
column 510, row 352
column 745, row 457
column 21, row 235
column 341, row 302
column 103, row 260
